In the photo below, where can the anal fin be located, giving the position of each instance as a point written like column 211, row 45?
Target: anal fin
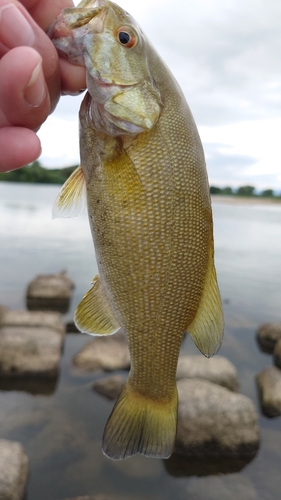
column 207, row 327
column 93, row 315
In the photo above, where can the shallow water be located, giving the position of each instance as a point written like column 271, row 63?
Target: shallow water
column 61, row 424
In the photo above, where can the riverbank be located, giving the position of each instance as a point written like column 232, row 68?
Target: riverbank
column 242, row 200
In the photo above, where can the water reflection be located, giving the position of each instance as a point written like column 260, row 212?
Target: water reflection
column 43, row 387
column 180, row 466
column 60, row 423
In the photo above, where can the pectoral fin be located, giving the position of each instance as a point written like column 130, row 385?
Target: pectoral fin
column 93, row 315
column 70, row 201
column 206, row 329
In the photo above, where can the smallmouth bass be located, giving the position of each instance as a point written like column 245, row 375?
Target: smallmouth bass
column 143, row 168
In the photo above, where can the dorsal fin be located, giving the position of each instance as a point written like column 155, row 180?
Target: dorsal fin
column 70, row 201
column 93, row 315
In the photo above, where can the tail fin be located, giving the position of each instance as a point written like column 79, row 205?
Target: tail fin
column 139, row 424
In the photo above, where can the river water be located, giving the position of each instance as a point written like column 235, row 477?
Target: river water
column 60, row 426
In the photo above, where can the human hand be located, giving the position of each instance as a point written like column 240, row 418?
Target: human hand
column 32, row 77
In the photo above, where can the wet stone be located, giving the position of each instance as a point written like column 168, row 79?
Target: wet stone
column 13, row 470
column 110, row 387
column 277, row 354
column 218, row 370
column 215, row 421
column 269, row 384
column 107, row 353
column 268, row 334
column 50, row 292
column 38, row 319
column 29, row 351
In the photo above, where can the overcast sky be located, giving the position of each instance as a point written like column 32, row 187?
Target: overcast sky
column 226, row 55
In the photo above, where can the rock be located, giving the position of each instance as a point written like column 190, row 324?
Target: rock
column 277, row 353
column 13, row 470
column 111, row 387
column 214, row 421
column 218, row 370
column 269, row 384
column 107, row 353
column 36, row 319
column 50, row 292
column 268, row 334
column 29, row 351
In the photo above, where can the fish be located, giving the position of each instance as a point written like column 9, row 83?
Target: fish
column 144, row 177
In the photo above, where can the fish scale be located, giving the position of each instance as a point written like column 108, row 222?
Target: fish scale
column 150, row 215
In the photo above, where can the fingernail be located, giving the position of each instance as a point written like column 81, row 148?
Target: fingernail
column 14, row 28
column 35, row 90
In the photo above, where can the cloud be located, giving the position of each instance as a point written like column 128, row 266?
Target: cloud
column 226, row 57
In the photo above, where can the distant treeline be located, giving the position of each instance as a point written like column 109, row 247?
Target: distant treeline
column 34, row 173
column 247, row 191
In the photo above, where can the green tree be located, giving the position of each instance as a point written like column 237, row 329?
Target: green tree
column 215, row 190
column 34, row 173
column 267, row 193
column 227, row 191
column 245, row 191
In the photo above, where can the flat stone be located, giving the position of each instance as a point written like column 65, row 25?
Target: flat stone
column 50, row 292
column 13, row 470
column 215, row 421
column 268, row 334
column 39, row 319
column 218, row 370
column 29, row 351
column 269, row 384
column 106, row 353
column 277, row 353
column 110, row 387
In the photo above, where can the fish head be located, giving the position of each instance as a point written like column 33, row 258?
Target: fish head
column 107, row 40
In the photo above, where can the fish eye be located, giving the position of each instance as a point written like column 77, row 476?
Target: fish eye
column 126, row 37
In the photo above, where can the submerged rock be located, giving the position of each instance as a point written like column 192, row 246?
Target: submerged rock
column 269, row 384
column 50, row 292
column 29, row 351
column 39, row 319
column 13, row 470
column 107, row 353
column 218, row 370
column 111, row 387
column 215, row 421
column 277, row 353
column 268, row 334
